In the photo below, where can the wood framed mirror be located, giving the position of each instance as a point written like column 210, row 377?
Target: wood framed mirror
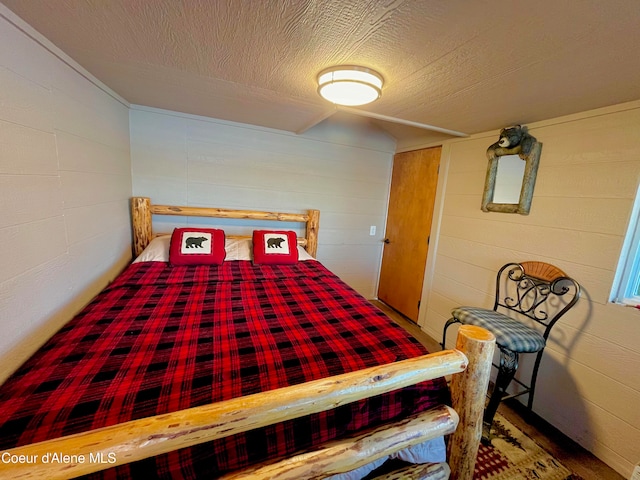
column 511, row 174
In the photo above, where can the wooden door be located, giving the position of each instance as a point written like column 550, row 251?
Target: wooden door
column 413, row 192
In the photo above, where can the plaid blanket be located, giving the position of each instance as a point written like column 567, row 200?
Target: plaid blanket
column 161, row 338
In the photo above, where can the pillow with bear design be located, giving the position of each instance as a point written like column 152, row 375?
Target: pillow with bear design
column 273, row 247
column 197, row 246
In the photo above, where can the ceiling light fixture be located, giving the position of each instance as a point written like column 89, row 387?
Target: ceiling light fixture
column 350, row 85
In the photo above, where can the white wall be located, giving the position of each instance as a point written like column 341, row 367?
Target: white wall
column 589, row 383
column 65, row 180
column 342, row 170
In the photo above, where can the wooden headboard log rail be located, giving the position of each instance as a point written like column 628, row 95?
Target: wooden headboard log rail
column 142, row 211
column 146, row 437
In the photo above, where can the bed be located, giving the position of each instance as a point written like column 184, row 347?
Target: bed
column 238, row 370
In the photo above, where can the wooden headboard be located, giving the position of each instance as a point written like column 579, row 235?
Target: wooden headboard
column 142, row 211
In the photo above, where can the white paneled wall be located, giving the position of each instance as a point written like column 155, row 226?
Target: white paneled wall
column 342, row 170
column 589, row 383
column 65, row 181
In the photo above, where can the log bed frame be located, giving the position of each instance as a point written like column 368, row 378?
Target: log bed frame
column 142, row 212
column 469, row 364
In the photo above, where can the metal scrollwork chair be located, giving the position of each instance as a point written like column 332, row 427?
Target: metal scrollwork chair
column 530, row 293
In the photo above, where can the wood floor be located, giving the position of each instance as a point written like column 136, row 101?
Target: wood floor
column 568, row 452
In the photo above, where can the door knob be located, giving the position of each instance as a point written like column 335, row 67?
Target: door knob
column 387, row 241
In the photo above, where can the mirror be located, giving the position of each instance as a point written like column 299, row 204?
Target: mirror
column 508, row 179
column 511, row 173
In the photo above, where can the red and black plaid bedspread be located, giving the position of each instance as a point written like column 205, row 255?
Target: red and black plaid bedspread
column 161, row 339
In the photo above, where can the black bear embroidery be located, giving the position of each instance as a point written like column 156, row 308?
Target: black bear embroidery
column 194, row 242
column 275, row 242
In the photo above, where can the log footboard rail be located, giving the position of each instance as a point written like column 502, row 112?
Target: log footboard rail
column 469, row 364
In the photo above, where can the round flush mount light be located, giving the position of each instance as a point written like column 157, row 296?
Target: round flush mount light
column 350, row 85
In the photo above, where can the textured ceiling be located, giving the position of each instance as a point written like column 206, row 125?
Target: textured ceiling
column 466, row 66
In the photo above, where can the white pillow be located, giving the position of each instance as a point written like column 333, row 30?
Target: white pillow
column 303, row 254
column 236, row 248
column 156, row 251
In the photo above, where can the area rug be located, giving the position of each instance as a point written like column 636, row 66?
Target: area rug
column 513, row 455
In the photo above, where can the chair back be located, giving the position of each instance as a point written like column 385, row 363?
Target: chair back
column 536, row 290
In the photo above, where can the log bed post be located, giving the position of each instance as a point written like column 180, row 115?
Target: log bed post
column 311, row 234
column 468, row 393
column 141, row 223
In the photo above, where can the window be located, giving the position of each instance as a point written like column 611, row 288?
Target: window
column 626, row 285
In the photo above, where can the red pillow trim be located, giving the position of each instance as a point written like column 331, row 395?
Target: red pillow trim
column 273, row 247
column 197, row 246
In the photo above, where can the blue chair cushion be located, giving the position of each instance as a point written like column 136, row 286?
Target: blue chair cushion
column 509, row 333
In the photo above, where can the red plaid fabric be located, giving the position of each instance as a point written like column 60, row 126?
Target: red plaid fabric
column 161, row 339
